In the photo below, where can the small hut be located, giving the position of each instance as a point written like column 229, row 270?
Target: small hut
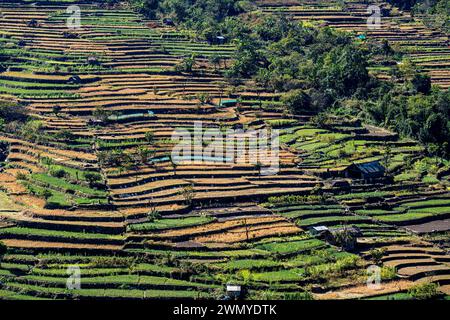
column 217, row 39
column 33, row 23
column 75, row 79
column 318, row 231
column 93, row 61
column 168, row 22
column 365, row 171
column 345, row 237
column 70, row 35
column 234, row 291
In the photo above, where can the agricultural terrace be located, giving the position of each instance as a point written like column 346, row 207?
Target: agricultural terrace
column 420, row 44
column 90, row 180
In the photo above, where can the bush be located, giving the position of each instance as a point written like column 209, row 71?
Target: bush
column 388, row 273
column 425, row 291
column 296, row 101
column 293, row 199
column 12, row 111
column 46, row 194
column 298, row 296
column 92, row 177
column 3, row 250
column 58, row 173
column 21, row 176
column 376, row 254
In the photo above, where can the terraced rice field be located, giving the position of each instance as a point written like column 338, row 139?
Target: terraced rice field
column 426, row 47
column 132, row 230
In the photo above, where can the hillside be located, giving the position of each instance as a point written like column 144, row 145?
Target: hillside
column 88, row 177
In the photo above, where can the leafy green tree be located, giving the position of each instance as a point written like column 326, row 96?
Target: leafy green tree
column 421, row 83
column 11, row 110
column 144, row 154
column 149, row 137
column 186, row 65
column 100, row 113
column 296, row 101
column 92, row 177
column 153, row 214
column 343, row 70
column 215, row 60
column 56, row 109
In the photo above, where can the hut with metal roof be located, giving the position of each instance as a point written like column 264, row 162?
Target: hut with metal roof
column 365, row 171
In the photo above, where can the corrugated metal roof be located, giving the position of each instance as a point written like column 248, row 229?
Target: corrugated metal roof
column 370, row 167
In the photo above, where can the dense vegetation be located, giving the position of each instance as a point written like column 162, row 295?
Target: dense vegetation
column 319, row 69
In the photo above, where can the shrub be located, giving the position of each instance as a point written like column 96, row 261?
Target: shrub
column 21, row 176
column 3, row 250
column 388, row 273
column 376, row 254
column 292, row 199
column 58, row 173
column 298, row 296
column 424, row 291
column 46, row 194
column 105, row 262
column 92, row 177
column 149, row 137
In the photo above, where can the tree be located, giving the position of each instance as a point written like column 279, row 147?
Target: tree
column 345, row 239
column 64, row 134
column 215, row 60
column 421, row 83
column 3, row 250
column 407, row 69
column 101, row 113
column 258, row 166
column 188, row 194
column 377, row 254
column 247, row 230
column 186, row 65
column 58, row 172
column 148, row 8
column 114, row 157
column 387, row 155
column 144, row 154
column 33, row 130
column 296, row 101
column 386, row 48
column 153, row 214
column 174, row 165
column 204, row 98
column 92, row 177
column 56, row 109
column 46, row 194
column 343, row 70
column 149, row 137
column 320, row 120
